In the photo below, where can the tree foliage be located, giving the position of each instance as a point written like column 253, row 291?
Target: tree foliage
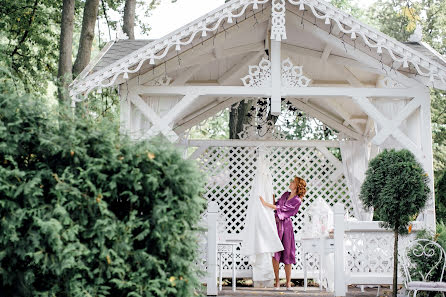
column 440, row 199
column 29, row 31
column 88, row 213
column 396, row 186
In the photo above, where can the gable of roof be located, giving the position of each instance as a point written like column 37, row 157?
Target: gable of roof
column 128, row 58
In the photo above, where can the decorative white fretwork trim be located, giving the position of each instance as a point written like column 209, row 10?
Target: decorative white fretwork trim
column 260, row 75
column 158, row 49
column 210, row 22
column 292, row 76
column 397, row 51
column 278, row 30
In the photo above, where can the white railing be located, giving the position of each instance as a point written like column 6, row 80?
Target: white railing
column 364, row 252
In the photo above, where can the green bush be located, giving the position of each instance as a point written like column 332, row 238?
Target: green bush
column 440, row 199
column 87, row 213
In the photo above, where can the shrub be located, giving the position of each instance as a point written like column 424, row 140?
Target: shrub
column 440, row 198
column 87, row 213
column 397, row 188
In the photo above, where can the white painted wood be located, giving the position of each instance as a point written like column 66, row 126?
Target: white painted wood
column 324, row 118
column 125, row 113
column 255, row 143
column 295, row 50
column 323, row 92
column 395, row 123
column 351, row 78
column 326, row 52
column 158, row 125
column 276, row 76
column 181, row 106
column 198, row 55
column 198, row 152
column 238, row 70
column 368, row 126
column 339, row 168
column 206, row 114
column 212, row 214
column 357, row 54
column 339, row 269
column 426, row 145
column 199, row 112
column 185, row 76
column 378, row 117
column 345, row 115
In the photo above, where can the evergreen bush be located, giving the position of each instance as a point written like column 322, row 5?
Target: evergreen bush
column 85, row 212
column 440, row 198
column 396, row 186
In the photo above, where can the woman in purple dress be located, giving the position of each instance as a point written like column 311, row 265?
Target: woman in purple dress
column 286, row 207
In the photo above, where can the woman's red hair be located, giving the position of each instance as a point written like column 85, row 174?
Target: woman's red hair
column 301, row 189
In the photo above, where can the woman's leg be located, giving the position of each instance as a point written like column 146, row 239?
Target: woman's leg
column 288, row 274
column 276, row 271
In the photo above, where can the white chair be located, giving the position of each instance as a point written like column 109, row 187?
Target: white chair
column 419, row 251
column 225, row 246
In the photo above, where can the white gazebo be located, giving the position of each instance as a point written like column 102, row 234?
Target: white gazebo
column 370, row 88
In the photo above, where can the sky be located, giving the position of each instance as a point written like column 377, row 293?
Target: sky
column 168, row 16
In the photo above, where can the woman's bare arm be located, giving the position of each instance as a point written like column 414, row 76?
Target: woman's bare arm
column 266, row 203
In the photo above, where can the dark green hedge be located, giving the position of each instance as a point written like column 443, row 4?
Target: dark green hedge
column 84, row 212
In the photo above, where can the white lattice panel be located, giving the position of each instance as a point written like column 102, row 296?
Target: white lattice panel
column 372, row 251
column 231, row 169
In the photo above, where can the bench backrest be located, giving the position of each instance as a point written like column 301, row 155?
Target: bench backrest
column 421, row 260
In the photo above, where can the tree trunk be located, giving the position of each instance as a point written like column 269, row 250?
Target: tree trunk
column 237, row 117
column 395, row 262
column 64, row 74
column 129, row 18
column 87, row 36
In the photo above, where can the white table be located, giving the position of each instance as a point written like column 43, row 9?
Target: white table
column 227, row 247
column 321, row 246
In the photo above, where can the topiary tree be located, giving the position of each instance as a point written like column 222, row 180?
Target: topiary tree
column 396, row 186
column 86, row 212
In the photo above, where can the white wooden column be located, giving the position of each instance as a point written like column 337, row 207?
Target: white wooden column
column 212, row 249
column 427, row 161
column 278, row 33
column 339, row 268
column 125, row 111
column 276, row 77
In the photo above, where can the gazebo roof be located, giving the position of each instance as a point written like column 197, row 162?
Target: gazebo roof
column 123, row 59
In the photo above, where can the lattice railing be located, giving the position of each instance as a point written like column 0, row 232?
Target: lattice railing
column 230, row 171
column 372, row 251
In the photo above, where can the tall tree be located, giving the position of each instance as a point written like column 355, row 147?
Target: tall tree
column 28, row 33
column 65, row 50
column 129, row 18
column 87, row 35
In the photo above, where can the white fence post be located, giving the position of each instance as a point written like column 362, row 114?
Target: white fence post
column 339, row 269
column 212, row 249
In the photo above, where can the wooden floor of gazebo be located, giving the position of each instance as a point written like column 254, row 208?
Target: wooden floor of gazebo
column 298, row 291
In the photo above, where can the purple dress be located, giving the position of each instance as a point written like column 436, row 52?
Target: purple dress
column 285, row 210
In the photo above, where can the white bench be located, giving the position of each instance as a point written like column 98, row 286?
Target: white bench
column 419, row 250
